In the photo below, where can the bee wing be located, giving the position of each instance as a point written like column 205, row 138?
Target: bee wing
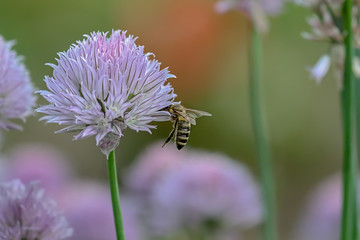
column 197, row 113
column 192, row 114
column 191, row 120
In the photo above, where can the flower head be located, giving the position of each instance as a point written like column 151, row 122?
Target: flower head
column 26, row 213
column 327, row 26
column 102, row 85
column 322, row 216
column 86, row 206
column 334, row 60
column 16, row 91
column 150, row 167
column 38, row 162
column 256, row 10
column 206, row 191
column 271, row 7
column 323, row 26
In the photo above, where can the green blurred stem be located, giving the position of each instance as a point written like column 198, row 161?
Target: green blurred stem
column 357, row 150
column 114, row 189
column 349, row 225
column 261, row 137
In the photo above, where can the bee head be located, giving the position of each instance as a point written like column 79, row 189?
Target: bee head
column 166, row 108
column 176, row 107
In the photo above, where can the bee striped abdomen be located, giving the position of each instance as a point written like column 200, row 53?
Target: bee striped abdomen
column 182, row 134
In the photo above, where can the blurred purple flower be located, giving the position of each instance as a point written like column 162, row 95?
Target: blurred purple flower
column 150, row 167
column 323, row 26
column 16, row 90
column 86, row 206
column 256, row 10
column 206, row 189
column 38, row 162
column 322, row 216
column 326, row 26
column 26, row 213
column 334, row 60
column 103, row 85
column 271, row 7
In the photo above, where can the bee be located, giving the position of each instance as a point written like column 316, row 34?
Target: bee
column 182, row 119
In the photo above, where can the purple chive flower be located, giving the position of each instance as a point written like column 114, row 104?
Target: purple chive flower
column 102, row 85
column 326, row 27
column 207, row 191
column 86, row 206
column 38, row 162
column 256, row 10
column 16, row 90
column 150, row 166
column 334, row 60
column 26, row 213
column 322, row 216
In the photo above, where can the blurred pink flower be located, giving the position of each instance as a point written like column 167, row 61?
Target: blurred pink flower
column 27, row 213
column 322, row 216
column 323, row 27
column 151, row 166
column 327, row 26
column 256, row 10
column 205, row 189
column 16, row 90
column 87, row 207
column 38, row 162
column 334, row 60
column 270, row 7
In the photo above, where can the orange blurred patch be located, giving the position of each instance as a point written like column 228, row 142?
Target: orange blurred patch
column 184, row 35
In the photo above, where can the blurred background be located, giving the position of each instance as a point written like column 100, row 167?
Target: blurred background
column 208, row 54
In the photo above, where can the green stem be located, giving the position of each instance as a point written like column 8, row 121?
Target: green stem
column 114, row 189
column 357, row 145
column 349, row 223
column 261, row 138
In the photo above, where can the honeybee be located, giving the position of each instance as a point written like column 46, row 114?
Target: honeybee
column 182, row 119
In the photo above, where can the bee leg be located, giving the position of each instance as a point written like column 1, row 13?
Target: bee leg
column 171, row 133
column 169, row 137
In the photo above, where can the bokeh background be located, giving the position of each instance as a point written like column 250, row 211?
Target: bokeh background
column 208, row 54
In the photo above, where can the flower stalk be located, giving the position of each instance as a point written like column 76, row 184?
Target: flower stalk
column 261, row 137
column 115, row 199
column 103, row 85
column 349, row 226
